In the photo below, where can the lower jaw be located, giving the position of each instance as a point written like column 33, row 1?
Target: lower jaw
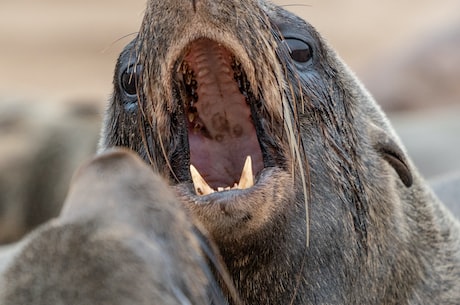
column 240, row 212
column 238, row 217
column 186, row 191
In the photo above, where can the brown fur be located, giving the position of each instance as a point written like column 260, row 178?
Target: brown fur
column 121, row 238
column 376, row 234
column 338, row 215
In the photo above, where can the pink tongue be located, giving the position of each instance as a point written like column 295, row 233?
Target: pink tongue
column 219, row 154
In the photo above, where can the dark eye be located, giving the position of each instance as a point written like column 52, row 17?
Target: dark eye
column 130, row 79
column 299, row 50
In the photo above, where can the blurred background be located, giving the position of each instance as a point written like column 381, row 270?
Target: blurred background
column 57, row 59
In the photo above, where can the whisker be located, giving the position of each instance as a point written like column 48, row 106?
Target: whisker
column 212, row 253
column 296, row 4
column 117, row 41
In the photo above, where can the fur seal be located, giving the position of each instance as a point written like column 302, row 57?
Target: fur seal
column 122, row 238
column 334, row 211
column 271, row 144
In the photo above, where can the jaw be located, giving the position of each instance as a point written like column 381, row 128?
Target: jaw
column 221, row 118
column 234, row 171
column 235, row 214
column 214, row 100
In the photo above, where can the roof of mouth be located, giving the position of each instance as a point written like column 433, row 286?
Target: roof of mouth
column 221, row 130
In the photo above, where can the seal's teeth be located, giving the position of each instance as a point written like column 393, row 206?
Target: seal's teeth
column 227, row 188
column 191, row 117
column 246, row 180
column 201, row 187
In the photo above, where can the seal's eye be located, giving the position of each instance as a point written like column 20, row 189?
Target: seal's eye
column 130, row 79
column 299, row 50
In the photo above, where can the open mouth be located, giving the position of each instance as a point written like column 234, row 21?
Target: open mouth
column 219, row 108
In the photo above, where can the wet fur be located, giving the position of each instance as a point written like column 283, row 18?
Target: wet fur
column 341, row 216
column 376, row 234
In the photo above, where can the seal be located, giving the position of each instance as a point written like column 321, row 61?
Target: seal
column 268, row 142
column 272, row 144
column 122, row 238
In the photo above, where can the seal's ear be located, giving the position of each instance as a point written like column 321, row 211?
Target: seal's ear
column 392, row 153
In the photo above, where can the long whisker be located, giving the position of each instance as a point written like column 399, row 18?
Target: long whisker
column 117, row 41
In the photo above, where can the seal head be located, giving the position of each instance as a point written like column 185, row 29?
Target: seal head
column 327, row 208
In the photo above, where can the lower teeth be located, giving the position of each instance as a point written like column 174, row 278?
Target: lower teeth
column 202, row 187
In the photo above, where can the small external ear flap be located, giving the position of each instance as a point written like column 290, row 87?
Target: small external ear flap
column 393, row 154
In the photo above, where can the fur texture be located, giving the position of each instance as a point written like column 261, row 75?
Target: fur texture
column 375, row 232
column 338, row 213
column 121, row 238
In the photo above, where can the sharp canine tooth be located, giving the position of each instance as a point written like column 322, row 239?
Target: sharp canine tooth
column 191, row 117
column 201, row 187
column 246, row 180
